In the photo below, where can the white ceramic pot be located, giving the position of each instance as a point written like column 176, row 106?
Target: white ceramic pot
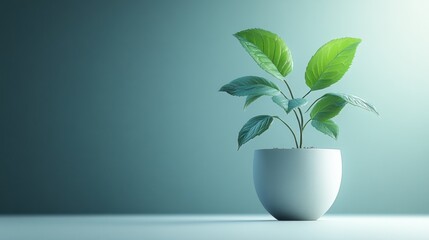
column 297, row 184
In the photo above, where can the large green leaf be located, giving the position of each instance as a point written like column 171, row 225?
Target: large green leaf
column 289, row 105
column 250, row 86
column 327, row 127
column 268, row 50
column 254, row 127
column 327, row 107
column 330, row 62
column 355, row 101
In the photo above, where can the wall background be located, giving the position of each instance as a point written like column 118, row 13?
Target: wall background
column 112, row 106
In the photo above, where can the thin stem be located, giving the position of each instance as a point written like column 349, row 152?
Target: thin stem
column 306, row 124
column 284, row 95
column 306, row 94
column 299, row 123
column 290, row 91
column 313, row 103
column 297, row 118
column 301, row 128
column 294, row 136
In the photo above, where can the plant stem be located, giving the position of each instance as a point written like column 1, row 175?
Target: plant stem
column 314, row 103
column 306, row 94
column 284, row 95
column 297, row 118
column 301, row 128
column 306, row 124
column 296, row 115
column 287, row 125
column 300, row 119
column 290, row 91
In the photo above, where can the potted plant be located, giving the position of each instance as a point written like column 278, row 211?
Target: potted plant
column 298, row 183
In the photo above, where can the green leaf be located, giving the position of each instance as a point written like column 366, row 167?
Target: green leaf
column 254, row 127
column 327, row 107
column 250, row 99
column 355, row 101
column 289, row 105
column 327, row 127
column 297, row 102
column 281, row 101
column 330, row 62
column 250, row 86
column 268, row 50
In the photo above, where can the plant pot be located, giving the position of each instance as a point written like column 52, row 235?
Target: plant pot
column 297, row 184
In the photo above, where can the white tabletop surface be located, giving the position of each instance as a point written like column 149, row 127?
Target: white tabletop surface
column 145, row 227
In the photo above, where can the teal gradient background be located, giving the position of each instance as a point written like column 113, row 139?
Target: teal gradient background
column 112, row 106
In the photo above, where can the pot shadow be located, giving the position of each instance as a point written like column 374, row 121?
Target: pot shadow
column 208, row 222
column 170, row 221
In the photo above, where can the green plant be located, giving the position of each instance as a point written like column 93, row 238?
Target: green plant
column 326, row 67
